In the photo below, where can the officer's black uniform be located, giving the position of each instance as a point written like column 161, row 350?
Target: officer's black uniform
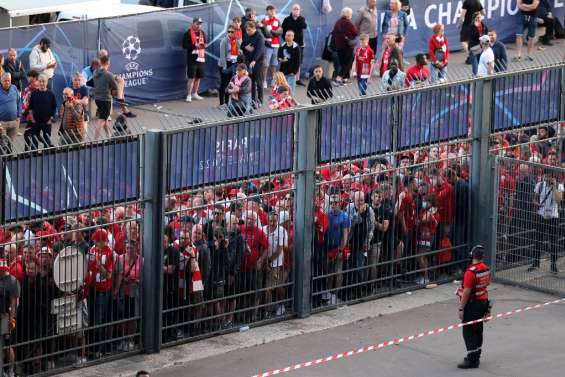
column 477, row 277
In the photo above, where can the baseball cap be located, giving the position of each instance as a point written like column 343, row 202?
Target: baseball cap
column 484, row 39
column 198, row 20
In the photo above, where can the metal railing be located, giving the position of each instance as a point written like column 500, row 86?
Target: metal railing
column 283, row 171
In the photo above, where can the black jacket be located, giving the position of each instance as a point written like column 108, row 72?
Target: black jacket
column 298, row 26
column 17, row 71
column 321, row 89
column 257, row 41
column 293, row 53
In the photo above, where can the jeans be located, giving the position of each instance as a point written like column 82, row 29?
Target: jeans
column 438, row 74
column 474, row 62
column 291, row 79
column 362, row 84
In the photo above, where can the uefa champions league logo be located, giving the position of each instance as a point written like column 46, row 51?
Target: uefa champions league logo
column 131, row 47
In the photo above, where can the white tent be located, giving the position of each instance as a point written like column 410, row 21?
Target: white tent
column 18, row 8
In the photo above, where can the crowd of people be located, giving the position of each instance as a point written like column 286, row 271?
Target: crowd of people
column 387, row 222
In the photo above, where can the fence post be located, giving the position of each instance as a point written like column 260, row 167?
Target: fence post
column 482, row 167
column 153, row 187
column 305, row 167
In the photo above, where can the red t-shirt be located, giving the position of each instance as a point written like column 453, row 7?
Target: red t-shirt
column 256, row 243
column 408, row 211
column 446, row 203
column 100, row 257
column 364, row 57
column 416, row 74
column 427, row 228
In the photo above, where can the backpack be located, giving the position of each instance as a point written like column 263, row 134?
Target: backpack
column 329, row 48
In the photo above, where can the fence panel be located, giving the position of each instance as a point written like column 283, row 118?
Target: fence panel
column 229, row 152
column 434, row 115
column 526, row 98
column 54, row 181
column 79, row 264
column 530, row 222
column 355, row 129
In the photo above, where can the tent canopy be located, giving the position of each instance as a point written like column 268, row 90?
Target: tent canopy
column 17, row 8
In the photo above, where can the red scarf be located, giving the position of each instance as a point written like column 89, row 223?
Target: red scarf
column 237, row 81
column 234, row 50
column 198, row 40
column 386, row 58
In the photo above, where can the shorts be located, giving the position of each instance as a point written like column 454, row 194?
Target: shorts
column 271, row 56
column 195, row 70
column 528, row 23
column 103, row 109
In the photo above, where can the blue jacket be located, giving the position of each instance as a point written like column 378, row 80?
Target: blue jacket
column 403, row 23
column 10, row 104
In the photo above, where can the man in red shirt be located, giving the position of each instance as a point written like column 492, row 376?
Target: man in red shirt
column 253, row 262
column 474, row 305
column 418, row 74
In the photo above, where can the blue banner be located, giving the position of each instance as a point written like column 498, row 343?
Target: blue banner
column 146, row 49
column 539, row 90
column 434, row 115
column 355, row 129
column 58, row 181
column 231, row 152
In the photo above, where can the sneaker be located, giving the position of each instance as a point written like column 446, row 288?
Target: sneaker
column 280, row 310
column 179, row 334
column 189, row 98
column 333, row 299
column 130, row 346
column 326, row 296
column 197, row 97
column 546, row 43
column 529, row 58
column 467, row 364
column 129, row 114
column 82, row 360
column 517, row 58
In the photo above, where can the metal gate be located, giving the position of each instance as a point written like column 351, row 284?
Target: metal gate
column 529, row 215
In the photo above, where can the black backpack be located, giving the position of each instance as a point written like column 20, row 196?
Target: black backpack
column 329, row 48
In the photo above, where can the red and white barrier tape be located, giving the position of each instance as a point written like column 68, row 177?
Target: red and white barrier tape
column 379, row 346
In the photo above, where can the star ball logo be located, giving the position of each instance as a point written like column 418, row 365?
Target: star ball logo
column 131, row 49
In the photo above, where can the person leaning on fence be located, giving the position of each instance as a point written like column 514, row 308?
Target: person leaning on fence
column 9, row 295
column 438, row 52
column 73, row 126
column 418, row 74
column 230, row 54
column 42, row 111
column 319, row 87
column 10, row 109
column 364, row 64
column 16, row 68
column 547, row 199
column 194, row 42
column 239, row 91
column 283, row 99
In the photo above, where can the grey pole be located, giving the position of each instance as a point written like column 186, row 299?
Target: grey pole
column 481, row 166
column 305, row 166
column 153, row 188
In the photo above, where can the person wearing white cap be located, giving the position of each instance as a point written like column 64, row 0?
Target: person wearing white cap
column 486, row 61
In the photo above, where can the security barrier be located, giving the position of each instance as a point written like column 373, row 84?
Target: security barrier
column 146, row 241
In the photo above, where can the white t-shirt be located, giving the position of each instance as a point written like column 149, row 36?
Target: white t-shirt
column 548, row 206
column 487, row 57
column 276, row 238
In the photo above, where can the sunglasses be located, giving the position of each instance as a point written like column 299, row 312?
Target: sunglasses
column 231, row 31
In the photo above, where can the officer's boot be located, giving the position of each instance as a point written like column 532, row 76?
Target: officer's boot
column 468, row 363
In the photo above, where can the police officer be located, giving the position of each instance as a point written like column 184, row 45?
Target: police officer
column 474, row 305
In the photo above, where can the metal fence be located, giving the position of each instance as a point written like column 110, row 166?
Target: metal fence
column 150, row 240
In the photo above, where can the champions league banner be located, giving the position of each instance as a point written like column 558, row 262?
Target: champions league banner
column 355, row 129
column 50, row 183
column 541, row 90
column 224, row 153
